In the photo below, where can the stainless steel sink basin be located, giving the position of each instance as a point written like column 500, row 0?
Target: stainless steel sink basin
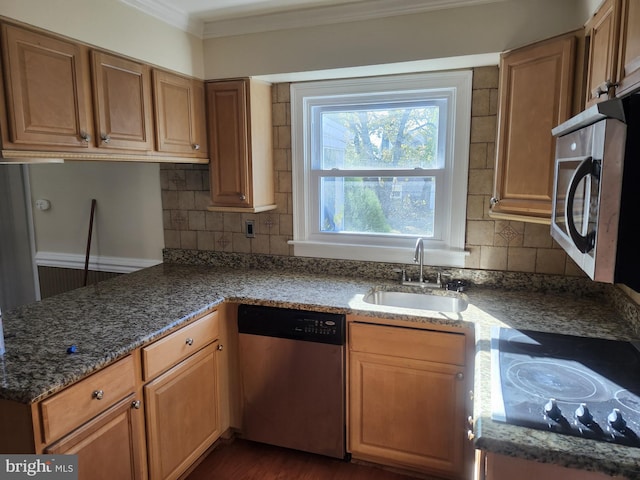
column 439, row 301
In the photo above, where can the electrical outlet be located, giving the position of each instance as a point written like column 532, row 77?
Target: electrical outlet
column 248, row 231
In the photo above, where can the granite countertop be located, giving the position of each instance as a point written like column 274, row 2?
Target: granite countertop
column 110, row 319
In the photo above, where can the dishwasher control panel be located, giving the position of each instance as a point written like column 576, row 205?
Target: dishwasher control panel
column 301, row 325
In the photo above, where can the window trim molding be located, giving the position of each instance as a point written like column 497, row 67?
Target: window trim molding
column 459, row 83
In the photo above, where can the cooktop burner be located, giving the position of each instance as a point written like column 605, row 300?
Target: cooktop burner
column 579, row 386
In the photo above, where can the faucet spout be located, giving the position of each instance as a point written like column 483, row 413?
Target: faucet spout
column 418, row 257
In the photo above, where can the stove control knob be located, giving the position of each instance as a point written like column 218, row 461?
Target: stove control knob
column 552, row 410
column 584, row 415
column 616, row 421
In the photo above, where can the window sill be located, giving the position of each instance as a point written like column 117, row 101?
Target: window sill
column 374, row 253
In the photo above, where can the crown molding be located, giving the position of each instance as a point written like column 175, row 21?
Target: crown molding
column 167, row 13
column 310, row 17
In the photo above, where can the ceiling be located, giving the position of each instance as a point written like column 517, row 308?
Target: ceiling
column 219, row 18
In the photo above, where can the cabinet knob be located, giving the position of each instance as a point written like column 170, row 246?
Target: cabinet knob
column 135, row 404
column 85, row 136
column 243, row 196
column 459, row 376
column 189, row 341
column 471, row 435
column 493, row 201
column 98, row 394
column 105, row 138
column 220, row 348
column 196, row 146
column 603, row 89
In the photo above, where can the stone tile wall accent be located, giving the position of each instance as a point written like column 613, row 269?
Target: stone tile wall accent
column 493, row 244
column 185, row 198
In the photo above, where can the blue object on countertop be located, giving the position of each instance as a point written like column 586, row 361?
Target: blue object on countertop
column 72, row 349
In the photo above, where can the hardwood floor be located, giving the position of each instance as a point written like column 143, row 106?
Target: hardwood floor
column 244, row 460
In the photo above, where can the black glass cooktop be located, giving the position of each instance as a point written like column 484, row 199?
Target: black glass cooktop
column 586, row 387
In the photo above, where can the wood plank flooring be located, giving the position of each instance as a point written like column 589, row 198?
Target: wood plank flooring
column 244, row 460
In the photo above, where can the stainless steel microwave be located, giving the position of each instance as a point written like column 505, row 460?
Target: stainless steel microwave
column 596, row 195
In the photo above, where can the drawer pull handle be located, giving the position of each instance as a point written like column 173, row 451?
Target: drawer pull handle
column 196, row 146
column 459, row 376
column 98, row 394
column 189, row 341
column 220, row 347
column 135, row 404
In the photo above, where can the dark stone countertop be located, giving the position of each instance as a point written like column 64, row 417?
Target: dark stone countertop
column 110, row 319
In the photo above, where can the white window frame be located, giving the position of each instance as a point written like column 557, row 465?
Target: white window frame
column 448, row 249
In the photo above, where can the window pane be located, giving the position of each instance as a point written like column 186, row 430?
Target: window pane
column 381, row 136
column 382, row 205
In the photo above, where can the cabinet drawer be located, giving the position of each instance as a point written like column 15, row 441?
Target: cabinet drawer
column 411, row 343
column 75, row 405
column 173, row 348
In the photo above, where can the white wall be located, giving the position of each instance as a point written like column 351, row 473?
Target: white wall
column 486, row 28
column 127, row 227
column 114, row 26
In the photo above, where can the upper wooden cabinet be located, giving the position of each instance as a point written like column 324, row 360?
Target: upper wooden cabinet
column 536, row 88
column 613, row 34
column 122, row 102
column 240, row 136
column 47, row 91
column 629, row 51
column 47, row 111
column 180, row 114
column 602, row 32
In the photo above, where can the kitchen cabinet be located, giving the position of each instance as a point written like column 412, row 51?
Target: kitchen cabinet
column 48, row 97
column 110, row 446
column 629, row 49
column 602, row 32
column 100, row 420
column 179, row 114
column 406, row 398
column 181, row 404
column 240, row 137
column 122, row 102
column 493, row 466
column 614, row 50
column 535, row 95
column 63, row 99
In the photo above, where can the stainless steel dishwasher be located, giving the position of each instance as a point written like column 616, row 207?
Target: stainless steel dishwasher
column 292, row 365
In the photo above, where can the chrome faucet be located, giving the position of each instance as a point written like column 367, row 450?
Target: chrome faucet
column 418, row 256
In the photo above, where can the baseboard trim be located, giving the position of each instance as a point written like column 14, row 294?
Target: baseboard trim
column 96, row 263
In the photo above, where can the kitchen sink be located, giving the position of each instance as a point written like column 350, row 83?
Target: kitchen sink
column 436, row 300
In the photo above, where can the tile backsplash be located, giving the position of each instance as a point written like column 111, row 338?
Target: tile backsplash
column 493, row 244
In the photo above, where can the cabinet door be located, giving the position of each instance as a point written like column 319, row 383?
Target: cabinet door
column 602, row 32
column 407, row 413
column 182, row 414
column 48, row 91
column 110, row 446
column 629, row 53
column 122, row 102
column 536, row 84
column 230, row 169
column 179, row 114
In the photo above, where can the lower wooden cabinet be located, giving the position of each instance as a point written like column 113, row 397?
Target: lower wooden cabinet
column 407, row 399
column 111, row 445
column 493, row 466
column 182, row 414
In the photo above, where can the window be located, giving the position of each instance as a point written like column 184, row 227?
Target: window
column 379, row 162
